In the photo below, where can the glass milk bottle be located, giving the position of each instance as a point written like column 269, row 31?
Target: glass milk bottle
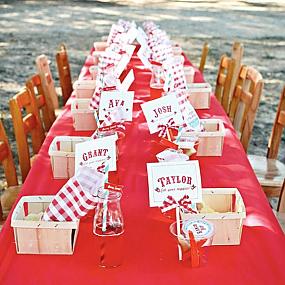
column 157, row 80
column 109, row 228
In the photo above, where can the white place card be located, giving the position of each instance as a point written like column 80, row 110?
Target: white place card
column 130, row 49
column 144, row 54
column 174, row 179
column 131, row 34
column 94, row 152
column 121, row 65
column 127, row 82
column 116, row 100
column 141, row 37
column 161, row 111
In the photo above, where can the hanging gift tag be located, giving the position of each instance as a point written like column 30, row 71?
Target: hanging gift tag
column 171, row 155
column 187, row 142
column 93, row 153
column 175, row 179
column 113, row 187
column 201, row 229
column 191, row 119
column 116, row 100
column 162, row 113
column 127, row 82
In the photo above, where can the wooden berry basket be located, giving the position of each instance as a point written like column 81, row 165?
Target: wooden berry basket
column 84, row 88
column 199, row 95
column 228, row 216
column 62, row 155
column 83, row 116
column 41, row 237
column 211, row 139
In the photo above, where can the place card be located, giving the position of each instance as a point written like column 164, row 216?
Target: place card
column 95, row 152
column 175, row 179
column 144, row 54
column 162, row 112
column 121, row 65
column 141, row 37
column 131, row 35
column 121, row 101
column 127, row 82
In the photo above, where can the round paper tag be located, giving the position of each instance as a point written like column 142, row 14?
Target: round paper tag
column 201, row 229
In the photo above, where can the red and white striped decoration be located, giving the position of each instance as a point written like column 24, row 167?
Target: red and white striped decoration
column 163, row 127
column 174, row 75
column 184, row 203
column 76, row 197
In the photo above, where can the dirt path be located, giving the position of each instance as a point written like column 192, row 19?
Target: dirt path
column 30, row 28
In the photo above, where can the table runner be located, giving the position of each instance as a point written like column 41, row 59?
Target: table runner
column 150, row 253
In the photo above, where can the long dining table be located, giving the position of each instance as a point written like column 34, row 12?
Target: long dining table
column 149, row 250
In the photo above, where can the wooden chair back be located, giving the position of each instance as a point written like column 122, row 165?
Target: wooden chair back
column 204, row 55
column 281, row 202
column 245, row 102
column 43, row 69
column 237, row 55
column 64, row 73
column 34, row 84
column 224, row 81
column 277, row 129
column 6, row 158
column 26, row 121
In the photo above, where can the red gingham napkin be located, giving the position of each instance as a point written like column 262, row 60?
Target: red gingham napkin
column 76, row 197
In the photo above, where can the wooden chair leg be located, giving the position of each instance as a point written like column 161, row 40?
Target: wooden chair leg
column 281, row 203
column 1, row 212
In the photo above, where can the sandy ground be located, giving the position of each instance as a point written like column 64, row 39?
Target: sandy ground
column 29, row 28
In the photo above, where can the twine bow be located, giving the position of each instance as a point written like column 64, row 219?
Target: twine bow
column 184, row 203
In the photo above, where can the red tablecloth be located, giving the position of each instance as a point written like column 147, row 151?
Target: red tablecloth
column 150, row 253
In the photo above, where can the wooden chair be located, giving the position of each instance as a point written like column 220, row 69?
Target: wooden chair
column 10, row 194
column 34, row 84
column 64, row 73
column 269, row 171
column 245, row 102
column 237, row 55
column 281, row 203
column 43, row 69
column 27, row 124
column 224, row 81
column 204, row 55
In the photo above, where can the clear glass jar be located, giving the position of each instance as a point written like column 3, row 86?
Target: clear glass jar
column 157, row 80
column 109, row 228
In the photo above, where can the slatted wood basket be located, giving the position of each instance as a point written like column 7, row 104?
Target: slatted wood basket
column 84, row 88
column 62, row 155
column 228, row 216
column 41, row 237
column 211, row 139
column 199, row 95
column 83, row 116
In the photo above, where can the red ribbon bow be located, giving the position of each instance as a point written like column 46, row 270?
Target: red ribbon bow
column 184, row 203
